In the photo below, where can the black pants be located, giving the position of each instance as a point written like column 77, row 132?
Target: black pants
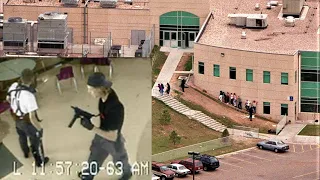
column 240, row 105
column 100, row 149
column 26, row 130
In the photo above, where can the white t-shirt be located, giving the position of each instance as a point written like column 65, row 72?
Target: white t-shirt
column 27, row 100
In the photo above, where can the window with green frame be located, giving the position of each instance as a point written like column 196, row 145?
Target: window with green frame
column 284, row 109
column 284, row 78
column 249, row 75
column 266, row 76
column 216, row 70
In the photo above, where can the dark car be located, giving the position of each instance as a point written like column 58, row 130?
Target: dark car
column 162, row 171
column 273, row 145
column 209, row 162
column 188, row 163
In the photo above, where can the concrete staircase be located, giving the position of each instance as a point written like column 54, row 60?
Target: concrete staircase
column 192, row 114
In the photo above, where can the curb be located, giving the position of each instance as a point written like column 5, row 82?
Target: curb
column 236, row 152
column 301, row 129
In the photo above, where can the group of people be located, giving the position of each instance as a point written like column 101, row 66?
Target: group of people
column 108, row 138
column 162, row 88
column 236, row 101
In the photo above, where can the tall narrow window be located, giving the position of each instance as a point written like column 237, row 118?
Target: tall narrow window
column 266, row 107
column 233, row 72
column 284, row 78
column 201, row 67
column 266, row 76
column 249, row 75
column 284, row 109
column 216, row 70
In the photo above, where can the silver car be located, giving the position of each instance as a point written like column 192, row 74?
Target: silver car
column 179, row 169
column 273, row 145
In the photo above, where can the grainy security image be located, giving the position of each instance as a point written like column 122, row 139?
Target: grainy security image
column 65, row 118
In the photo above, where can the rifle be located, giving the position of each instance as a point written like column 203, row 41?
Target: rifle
column 78, row 113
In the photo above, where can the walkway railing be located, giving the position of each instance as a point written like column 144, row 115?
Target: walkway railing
column 281, row 124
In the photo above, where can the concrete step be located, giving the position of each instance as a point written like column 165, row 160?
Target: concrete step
column 173, row 103
column 176, row 105
column 182, row 109
column 201, row 119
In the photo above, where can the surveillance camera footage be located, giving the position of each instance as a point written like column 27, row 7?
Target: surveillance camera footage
column 106, row 135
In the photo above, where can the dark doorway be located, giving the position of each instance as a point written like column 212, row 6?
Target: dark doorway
column 186, row 36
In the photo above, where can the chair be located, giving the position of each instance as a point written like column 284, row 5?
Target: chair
column 66, row 73
column 103, row 62
column 4, row 106
column 85, row 61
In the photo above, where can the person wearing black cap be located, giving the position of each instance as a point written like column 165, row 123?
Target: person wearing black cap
column 108, row 138
column 23, row 109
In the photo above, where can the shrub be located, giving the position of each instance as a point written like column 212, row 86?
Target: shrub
column 174, row 138
column 188, row 65
column 165, row 117
column 225, row 133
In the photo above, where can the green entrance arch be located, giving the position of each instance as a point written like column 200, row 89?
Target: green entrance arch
column 178, row 29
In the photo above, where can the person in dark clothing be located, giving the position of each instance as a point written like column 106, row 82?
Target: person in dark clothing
column 250, row 112
column 183, row 82
column 239, row 102
column 108, row 138
column 168, row 88
column 21, row 97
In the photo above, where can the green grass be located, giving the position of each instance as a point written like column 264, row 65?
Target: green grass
column 158, row 59
column 190, row 131
column 222, row 119
column 310, row 130
column 188, row 65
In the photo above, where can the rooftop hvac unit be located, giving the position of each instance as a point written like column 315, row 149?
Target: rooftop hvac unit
column 128, row 2
column 108, row 3
column 70, row 2
column 268, row 5
column 243, row 35
column 15, row 19
column 257, row 7
column 273, row 3
column 257, row 21
column 237, row 19
column 289, row 21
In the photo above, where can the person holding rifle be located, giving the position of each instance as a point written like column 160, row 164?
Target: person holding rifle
column 108, row 138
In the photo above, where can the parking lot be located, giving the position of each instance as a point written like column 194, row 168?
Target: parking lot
column 300, row 162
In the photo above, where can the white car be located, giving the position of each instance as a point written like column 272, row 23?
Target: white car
column 154, row 177
column 179, row 169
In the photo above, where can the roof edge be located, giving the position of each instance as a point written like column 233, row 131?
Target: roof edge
column 203, row 27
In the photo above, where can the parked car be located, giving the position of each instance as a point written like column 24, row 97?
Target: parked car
column 209, row 162
column 162, row 171
column 154, row 177
column 188, row 163
column 273, row 145
column 179, row 169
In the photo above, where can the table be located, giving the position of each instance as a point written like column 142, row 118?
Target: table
column 12, row 69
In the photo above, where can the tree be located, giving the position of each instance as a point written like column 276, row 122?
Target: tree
column 174, row 138
column 225, row 133
column 165, row 117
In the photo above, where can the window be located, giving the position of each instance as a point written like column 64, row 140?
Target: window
column 216, row 70
column 284, row 78
column 266, row 108
column 284, row 109
column 310, row 75
column 266, row 76
column 233, row 72
column 249, row 75
column 201, row 67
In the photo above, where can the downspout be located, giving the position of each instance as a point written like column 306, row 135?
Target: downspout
column 85, row 22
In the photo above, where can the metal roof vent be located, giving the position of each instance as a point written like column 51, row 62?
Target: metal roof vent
column 274, row 3
column 50, row 13
column 15, row 19
column 128, row 2
column 289, row 21
column 108, row 3
column 268, row 5
column 257, row 7
column 243, row 35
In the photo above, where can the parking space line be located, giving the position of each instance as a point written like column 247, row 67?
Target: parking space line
column 305, row 174
column 302, row 148
column 243, row 160
column 310, row 147
column 257, row 157
column 294, row 149
column 231, row 164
